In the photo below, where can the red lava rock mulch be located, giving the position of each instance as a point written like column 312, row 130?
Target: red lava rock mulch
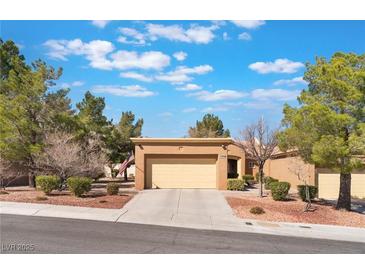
column 97, row 199
column 292, row 211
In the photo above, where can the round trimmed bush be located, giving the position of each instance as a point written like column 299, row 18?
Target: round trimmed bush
column 267, row 182
column 279, row 190
column 47, row 183
column 112, row 189
column 248, row 179
column 236, row 184
column 79, row 185
column 257, row 210
column 313, row 190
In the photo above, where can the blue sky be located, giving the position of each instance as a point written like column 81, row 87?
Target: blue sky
column 171, row 73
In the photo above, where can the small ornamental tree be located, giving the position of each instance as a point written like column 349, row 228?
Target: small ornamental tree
column 259, row 142
column 328, row 127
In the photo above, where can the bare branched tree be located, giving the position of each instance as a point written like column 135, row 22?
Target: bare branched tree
column 62, row 155
column 259, row 143
column 302, row 171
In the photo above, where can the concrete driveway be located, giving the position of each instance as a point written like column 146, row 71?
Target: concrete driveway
column 198, row 208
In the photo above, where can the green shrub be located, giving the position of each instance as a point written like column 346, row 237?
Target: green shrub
column 112, row 189
column 257, row 210
column 279, row 190
column 236, row 184
column 267, row 182
column 248, row 179
column 47, row 183
column 79, row 185
column 313, row 190
column 232, row 175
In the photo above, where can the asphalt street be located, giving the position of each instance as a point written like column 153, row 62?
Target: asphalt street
column 25, row 234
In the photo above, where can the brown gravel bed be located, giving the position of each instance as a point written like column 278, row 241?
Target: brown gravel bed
column 292, row 211
column 97, row 199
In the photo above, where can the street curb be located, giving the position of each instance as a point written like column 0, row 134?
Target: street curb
column 329, row 232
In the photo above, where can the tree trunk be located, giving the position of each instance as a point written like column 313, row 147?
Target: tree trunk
column 261, row 178
column 31, row 179
column 344, row 197
column 125, row 175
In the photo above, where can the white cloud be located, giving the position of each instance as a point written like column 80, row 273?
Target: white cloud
column 180, row 55
column 136, row 76
column 214, row 109
column 225, row 36
column 125, row 91
column 195, row 34
column 97, row 52
column 189, row 110
column 244, row 36
column 274, row 94
column 291, row 82
column 278, row 66
column 146, row 60
column 248, row 24
column 182, row 74
column 94, row 51
column 217, row 95
column 138, row 38
column 100, row 23
column 73, row 84
column 189, row 87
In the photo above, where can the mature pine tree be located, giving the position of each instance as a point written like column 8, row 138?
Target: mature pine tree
column 23, row 90
column 328, row 128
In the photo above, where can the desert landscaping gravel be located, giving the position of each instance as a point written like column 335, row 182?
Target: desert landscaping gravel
column 292, row 211
column 97, row 199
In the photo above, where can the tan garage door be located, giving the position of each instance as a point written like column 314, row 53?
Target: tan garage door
column 329, row 185
column 184, row 172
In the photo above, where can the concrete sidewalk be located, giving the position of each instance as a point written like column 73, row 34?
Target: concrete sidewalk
column 188, row 219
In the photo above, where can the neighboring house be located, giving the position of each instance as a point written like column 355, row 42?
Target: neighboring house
column 186, row 162
column 282, row 165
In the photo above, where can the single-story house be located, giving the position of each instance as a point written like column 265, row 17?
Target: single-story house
column 186, row 162
column 207, row 162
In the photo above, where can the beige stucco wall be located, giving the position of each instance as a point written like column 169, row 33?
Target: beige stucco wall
column 282, row 169
column 220, row 148
column 329, row 184
column 235, row 152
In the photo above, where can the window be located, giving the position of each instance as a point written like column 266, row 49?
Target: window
column 251, row 164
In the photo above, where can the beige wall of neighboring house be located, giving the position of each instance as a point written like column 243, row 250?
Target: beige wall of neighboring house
column 329, row 184
column 283, row 168
column 185, row 162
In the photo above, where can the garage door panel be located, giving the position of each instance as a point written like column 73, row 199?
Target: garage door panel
column 181, row 173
